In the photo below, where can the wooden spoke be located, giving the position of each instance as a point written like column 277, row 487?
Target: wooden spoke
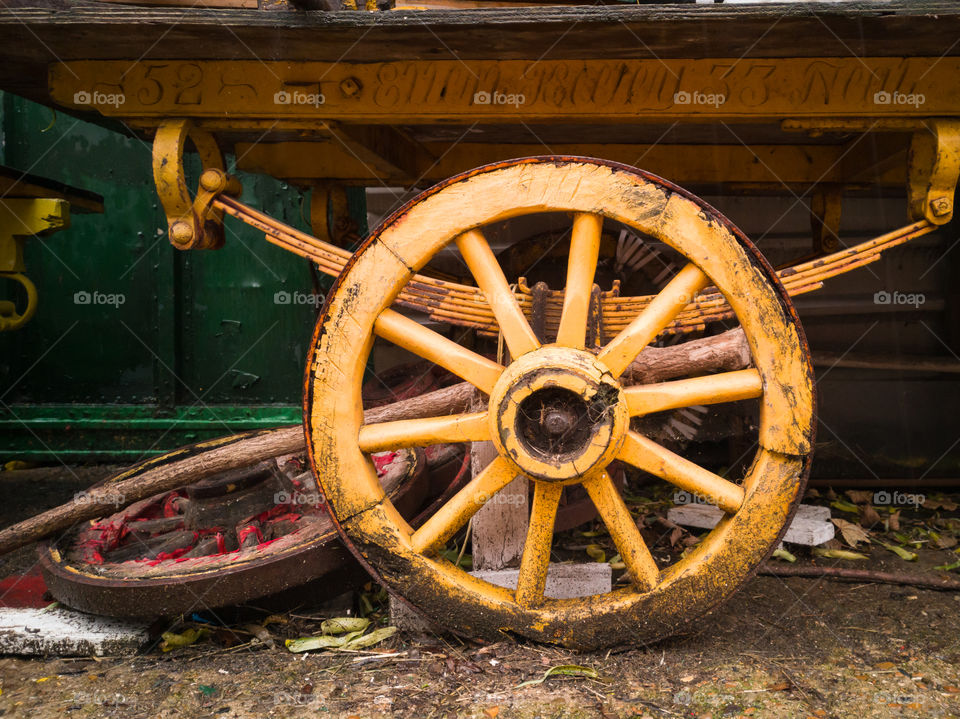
column 532, row 577
column 486, row 270
column 581, row 267
column 651, row 457
column 463, row 505
column 422, row 432
column 405, row 332
column 712, row 389
column 670, row 301
column 623, row 531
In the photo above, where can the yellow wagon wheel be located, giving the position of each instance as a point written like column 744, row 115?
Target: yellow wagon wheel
column 580, row 410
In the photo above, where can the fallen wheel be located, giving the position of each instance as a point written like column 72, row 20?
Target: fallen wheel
column 228, row 539
column 558, row 412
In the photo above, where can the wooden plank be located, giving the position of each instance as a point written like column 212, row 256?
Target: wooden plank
column 382, row 149
column 783, row 167
column 248, row 4
column 472, row 92
column 14, row 183
column 34, row 33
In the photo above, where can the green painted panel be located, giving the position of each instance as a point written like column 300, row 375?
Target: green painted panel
column 124, row 319
column 127, row 432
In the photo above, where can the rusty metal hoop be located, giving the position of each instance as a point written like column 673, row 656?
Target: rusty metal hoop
column 406, row 560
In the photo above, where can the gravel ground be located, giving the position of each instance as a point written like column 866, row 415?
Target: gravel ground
column 780, row 648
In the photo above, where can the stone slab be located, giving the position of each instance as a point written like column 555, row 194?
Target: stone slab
column 64, row 632
column 811, row 525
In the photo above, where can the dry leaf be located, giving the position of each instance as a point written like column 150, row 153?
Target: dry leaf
column 374, row 637
column 343, row 625
column 173, row 641
column 894, row 521
column 569, row 670
column 870, row 516
column 838, row 554
column 596, row 553
column 852, row 533
column 860, row 496
column 844, row 506
column 492, row 712
column 945, row 541
column 783, row 554
column 260, row 633
column 675, row 536
column 900, row 552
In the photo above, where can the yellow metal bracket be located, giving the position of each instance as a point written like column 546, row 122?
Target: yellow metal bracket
column 193, row 222
column 10, row 319
column 21, row 218
column 825, row 209
column 933, row 170
column 330, row 216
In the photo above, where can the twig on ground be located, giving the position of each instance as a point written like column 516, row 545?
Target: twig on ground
column 928, row 581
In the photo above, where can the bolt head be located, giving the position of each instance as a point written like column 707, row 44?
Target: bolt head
column 350, row 86
column 941, row 206
column 213, row 180
column 557, row 422
column 181, row 233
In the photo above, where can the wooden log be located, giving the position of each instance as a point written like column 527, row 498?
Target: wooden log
column 721, row 353
column 724, row 352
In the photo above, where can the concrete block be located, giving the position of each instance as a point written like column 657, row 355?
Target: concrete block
column 564, row 581
column 811, row 525
column 64, row 632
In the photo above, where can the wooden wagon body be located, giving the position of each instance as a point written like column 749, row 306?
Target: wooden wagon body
column 819, row 101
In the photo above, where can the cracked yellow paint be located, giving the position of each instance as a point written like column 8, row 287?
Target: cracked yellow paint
column 661, row 599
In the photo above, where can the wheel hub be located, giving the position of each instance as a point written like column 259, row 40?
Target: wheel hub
column 557, row 414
